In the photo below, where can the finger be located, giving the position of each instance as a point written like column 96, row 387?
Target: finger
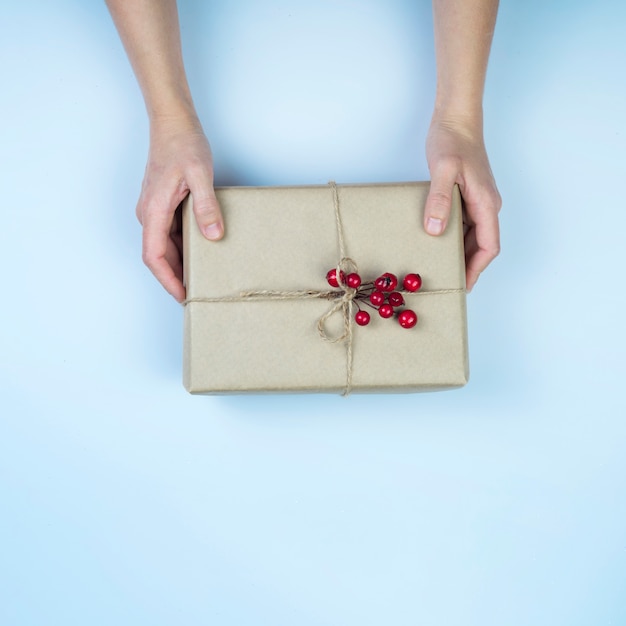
column 471, row 248
column 476, row 266
column 482, row 245
column 205, row 205
column 174, row 259
column 439, row 201
column 159, row 251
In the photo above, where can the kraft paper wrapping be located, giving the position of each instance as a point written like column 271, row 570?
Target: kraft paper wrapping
column 285, row 238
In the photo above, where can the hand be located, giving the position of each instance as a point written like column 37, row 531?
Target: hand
column 456, row 154
column 179, row 162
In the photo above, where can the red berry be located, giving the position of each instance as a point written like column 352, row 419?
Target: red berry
column 412, row 282
column 396, row 299
column 386, row 282
column 385, row 310
column 353, row 280
column 362, row 318
column 331, row 277
column 377, row 298
column 407, row 319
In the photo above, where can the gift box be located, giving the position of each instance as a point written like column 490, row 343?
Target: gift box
column 260, row 315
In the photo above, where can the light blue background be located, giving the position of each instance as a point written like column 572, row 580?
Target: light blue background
column 123, row 500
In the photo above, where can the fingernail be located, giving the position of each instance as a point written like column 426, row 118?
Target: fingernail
column 434, row 226
column 213, row 231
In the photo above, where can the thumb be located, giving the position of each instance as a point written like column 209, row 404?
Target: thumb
column 438, row 204
column 207, row 210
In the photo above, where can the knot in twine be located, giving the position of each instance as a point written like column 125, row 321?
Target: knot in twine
column 344, row 303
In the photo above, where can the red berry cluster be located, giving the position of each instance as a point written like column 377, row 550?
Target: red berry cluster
column 380, row 295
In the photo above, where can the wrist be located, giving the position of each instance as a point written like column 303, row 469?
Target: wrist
column 174, row 120
column 466, row 121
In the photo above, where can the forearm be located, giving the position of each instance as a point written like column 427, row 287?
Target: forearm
column 463, row 35
column 150, row 33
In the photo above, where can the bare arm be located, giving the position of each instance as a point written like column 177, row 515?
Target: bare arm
column 180, row 159
column 455, row 147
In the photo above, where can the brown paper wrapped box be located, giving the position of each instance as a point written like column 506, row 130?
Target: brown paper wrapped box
column 286, row 239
